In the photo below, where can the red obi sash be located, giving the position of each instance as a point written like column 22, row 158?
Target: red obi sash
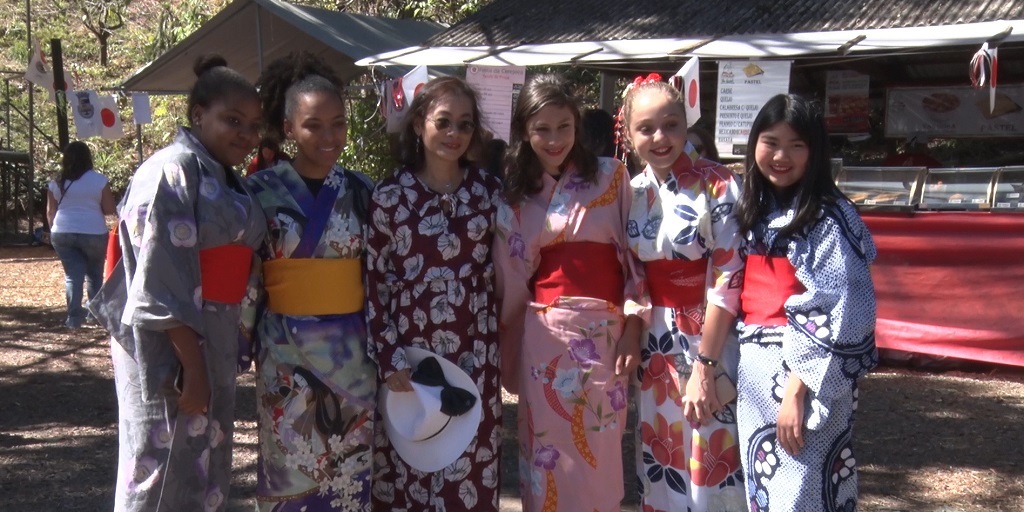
column 768, row 282
column 224, row 269
column 677, row 284
column 225, row 272
column 579, row 269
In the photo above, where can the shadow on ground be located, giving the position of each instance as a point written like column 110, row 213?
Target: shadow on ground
column 58, row 429
column 907, row 424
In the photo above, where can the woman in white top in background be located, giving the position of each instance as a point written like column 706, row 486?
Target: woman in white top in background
column 76, row 202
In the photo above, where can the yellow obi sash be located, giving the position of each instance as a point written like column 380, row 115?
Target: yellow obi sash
column 314, row 286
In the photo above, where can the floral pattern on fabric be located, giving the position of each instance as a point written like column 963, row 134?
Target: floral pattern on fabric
column 560, row 357
column 179, row 462
column 315, row 383
column 430, row 283
column 688, row 217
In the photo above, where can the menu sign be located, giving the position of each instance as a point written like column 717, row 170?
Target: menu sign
column 743, row 88
column 954, row 112
column 498, row 88
column 847, row 107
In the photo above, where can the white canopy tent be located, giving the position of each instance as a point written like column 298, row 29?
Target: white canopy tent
column 844, row 42
column 251, row 33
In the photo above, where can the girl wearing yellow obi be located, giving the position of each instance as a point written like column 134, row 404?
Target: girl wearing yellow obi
column 315, row 384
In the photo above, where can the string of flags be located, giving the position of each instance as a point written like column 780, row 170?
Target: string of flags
column 95, row 115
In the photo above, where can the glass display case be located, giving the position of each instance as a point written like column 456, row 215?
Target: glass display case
column 881, row 188
column 958, row 189
column 1008, row 190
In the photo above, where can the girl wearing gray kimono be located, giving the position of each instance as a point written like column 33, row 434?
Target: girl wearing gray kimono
column 186, row 234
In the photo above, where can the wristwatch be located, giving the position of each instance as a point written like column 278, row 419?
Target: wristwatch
column 706, row 361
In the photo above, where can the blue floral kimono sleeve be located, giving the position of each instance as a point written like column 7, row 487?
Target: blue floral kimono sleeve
column 830, row 339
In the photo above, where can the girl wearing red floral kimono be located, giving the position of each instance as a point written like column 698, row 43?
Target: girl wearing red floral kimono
column 682, row 227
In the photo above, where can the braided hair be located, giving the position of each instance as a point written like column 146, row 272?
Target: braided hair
column 651, row 82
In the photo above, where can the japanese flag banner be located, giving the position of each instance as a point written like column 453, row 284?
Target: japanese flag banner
column 39, row 71
column 110, row 118
column 687, row 80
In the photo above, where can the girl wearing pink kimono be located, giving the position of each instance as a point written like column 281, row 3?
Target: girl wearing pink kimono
column 570, row 294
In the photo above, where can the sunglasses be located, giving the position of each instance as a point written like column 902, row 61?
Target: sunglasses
column 443, row 124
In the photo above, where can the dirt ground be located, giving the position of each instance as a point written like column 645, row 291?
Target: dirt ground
column 926, row 441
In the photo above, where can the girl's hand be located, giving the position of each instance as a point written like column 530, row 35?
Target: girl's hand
column 195, row 393
column 400, row 381
column 701, row 400
column 790, row 426
column 627, row 350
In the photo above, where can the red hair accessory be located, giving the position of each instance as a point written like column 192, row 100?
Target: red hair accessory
column 620, row 120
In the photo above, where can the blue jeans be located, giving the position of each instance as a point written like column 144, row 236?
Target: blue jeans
column 82, row 257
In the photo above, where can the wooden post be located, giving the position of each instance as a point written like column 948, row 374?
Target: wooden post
column 60, row 93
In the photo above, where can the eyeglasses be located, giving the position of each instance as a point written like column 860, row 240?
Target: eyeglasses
column 443, row 124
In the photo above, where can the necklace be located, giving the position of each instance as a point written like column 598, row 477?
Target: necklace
column 447, row 199
column 441, row 187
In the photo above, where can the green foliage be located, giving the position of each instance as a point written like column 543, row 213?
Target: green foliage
column 150, row 28
column 369, row 147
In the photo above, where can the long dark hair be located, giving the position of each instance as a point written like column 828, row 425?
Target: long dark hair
column 285, row 79
column 76, row 161
column 408, row 151
column 523, row 171
column 814, row 189
column 215, row 81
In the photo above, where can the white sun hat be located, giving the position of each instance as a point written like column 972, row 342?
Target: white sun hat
column 428, row 434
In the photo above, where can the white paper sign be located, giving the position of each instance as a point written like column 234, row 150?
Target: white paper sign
column 498, row 88
column 954, row 112
column 744, row 86
column 141, row 112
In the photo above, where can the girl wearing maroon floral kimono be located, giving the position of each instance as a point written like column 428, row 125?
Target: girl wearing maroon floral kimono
column 430, row 285
column 569, row 291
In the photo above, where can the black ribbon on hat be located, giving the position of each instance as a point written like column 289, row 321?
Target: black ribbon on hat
column 455, row 401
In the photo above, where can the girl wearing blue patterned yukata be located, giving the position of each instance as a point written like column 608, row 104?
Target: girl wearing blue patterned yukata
column 808, row 317
column 315, row 384
column 187, row 230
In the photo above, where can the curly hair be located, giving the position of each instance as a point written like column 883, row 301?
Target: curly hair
column 285, row 79
column 523, row 171
column 407, row 151
column 215, row 81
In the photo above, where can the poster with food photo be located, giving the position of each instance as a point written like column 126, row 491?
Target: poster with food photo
column 954, row 112
column 847, row 106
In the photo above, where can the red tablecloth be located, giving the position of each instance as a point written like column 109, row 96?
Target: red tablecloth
column 950, row 284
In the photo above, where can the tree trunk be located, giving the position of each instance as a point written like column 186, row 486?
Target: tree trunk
column 103, row 48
